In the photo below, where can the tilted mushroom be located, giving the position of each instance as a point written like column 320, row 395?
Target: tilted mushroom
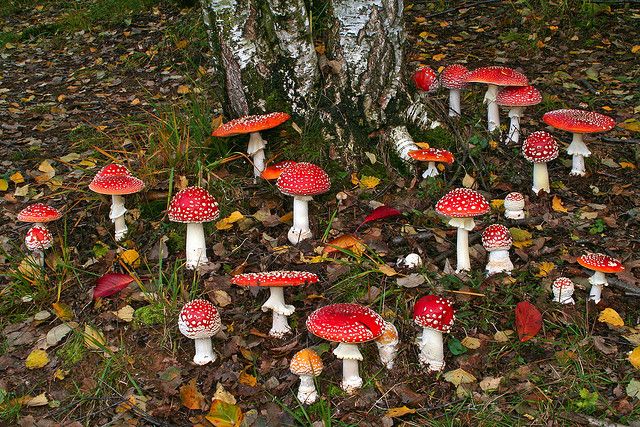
column 517, row 98
column 460, row 206
column 349, row 325
column 579, row 122
column 38, row 239
column 273, row 171
column 497, row 240
column 514, row 206
column 307, row 365
column 276, row 281
column 193, row 206
column 388, row 345
column 452, row 77
column 539, row 148
column 432, row 155
column 601, row 264
column 435, row 315
column 426, row 79
column 253, row 125
column 562, row 289
column 199, row 320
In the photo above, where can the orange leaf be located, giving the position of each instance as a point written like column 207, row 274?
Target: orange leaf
column 191, row 397
column 223, row 414
column 347, row 242
column 528, row 320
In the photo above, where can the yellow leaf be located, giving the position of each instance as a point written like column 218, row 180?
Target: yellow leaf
column 635, row 48
column 398, row 412
column 17, row 178
column 439, row 56
column 423, row 145
column 131, row 257
column 459, row 376
column 520, row 235
column 556, row 205
column 634, row 357
column 223, row 414
column 497, row 204
column 369, row 182
column 544, row 268
column 183, row 89
column 386, row 270
column 468, row 181
column 623, row 165
column 471, row 342
column 247, row 379
column 93, row 338
column 630, row 124
column 191, row 397
column 37, row 359
column 4, row 185
column 354, row 179
column 63, row 311
column 503, row 336
column 286, row 218
column 610, row 317
column 46, row 167
column 347, row 242
column 60, row 374
column 181, row 44
column 227, row 223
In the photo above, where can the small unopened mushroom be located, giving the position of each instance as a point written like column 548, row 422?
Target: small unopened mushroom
column 307, row 365
column 517, row 97
column 514, row 206
column 38, row 239
column 426, row 79
column 539, row 148
column 388, row 345
column 412, row 260
column 601, row 264
column 497, row 240
column 562, row 289
column 199, row 320
column 452, row 77
column 435, row 315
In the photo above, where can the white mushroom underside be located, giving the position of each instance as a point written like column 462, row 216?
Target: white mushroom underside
column 307, row 393
column 256, row 150
column 499, row 262
column 431, row 171
column 493, row 112
column 350, row 356
column 204, row 351
column 280, row 325
column 579, row 151
column 598, row 281
column 116, row 214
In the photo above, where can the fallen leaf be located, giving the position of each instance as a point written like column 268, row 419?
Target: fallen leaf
column 399, row 412
column 633, row 389
column 37, row 359
column 4, row 185
column 17, row 178
column 490, row 383
column 610, row 317
column 459, row 376
column 227, row 223
column 627, row 165
column 634, row 357
column 57, row 333
column 63, row 311
column 110, row 284
column 528, row 320
column 503, row 336
column 183, row 89
column 556, row 205
column 224, row 395
column 471, row 342
column 39, row 400
column 632, row 125
column 468, row 181
column 93, row 338
column 223, row 414
column 191, row 397
column 411, row 281
column 131, row 257
column 247, row 379
column 125, row 313
column 380, row 212
column 635, row 48
column 544, row 268
column 438, row 56
column 347, row 242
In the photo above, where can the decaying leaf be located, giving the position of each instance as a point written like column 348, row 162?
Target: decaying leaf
column 131, row 257
column 471, row 343
column 191, row 397
column 634, row 357
column 227, row 223
column 63, row 311
column 556, row 205
column 223, row 414
column 37, row 359
column 490, row 383
column 93, row 338
column 399, row 412
column 347, row 242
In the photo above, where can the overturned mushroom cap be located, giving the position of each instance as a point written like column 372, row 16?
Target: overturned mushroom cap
column 303, row 179
column 600, row 262
column 426, row 79
column 432, row 155
column 250, row 124
column 275, row 278
column 38, row 238
column 518, row 96
column 462, row 203
column 452, row 77
column 434, row 312
column 346, row 323
column 578, row 121
column 496, row 75
column 39, row 212
column 496, row 237
column 199, row 319
column 306, row 362
column 540, row 147
column 193, row 204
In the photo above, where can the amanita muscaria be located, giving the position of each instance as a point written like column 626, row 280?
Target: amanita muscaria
column 516, row 98
column 452, row 78
column 199, row 320
column 38, row 237
column 497, row 240
column 432, row 155
column 514, row 205
column 601, row 264
column 435, row 315
column 540, row 148
column 307, row 365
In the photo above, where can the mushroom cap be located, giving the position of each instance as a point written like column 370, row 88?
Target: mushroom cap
column 434, row 312
column 462, row 203
column 452, row 77
column 38, row 238
column 563, row 282
column 540, row 147
column 38, row 212
column 432, row 155
column 199, row 319
column 518, row 96
column 193, row 204
column 426, row 79
column 273, row 171
column 496, row 237
column 578, row 121
column 303, row 179
column 514, row 201
column 306, row 362
column 250, row 124
column 113, row 169
column 600, row 262
column 275, row 278
column 389, row 335
column 116, row 180
column 346, row 323
column 496, row 75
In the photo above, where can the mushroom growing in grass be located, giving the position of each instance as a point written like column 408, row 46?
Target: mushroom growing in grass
column 302, row 181
column 253, row 125
column 435, row 315
column 578, row 122
column 276, row 281
column 349, row 325
column 38, row 239
column 461, row 205
column 116, row 180
column 517, row 98
column 388, row 345
column 601, row 264
column 452, row 77
column 497, row 240
column 193, row 206
column 199, row 320
column 539, row 148
column 562, row 289
column 494, row 77
column 514, row 206
column 432, row 155
column 307, row 365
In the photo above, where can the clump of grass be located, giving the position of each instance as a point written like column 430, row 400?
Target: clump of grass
column 149, row 315
column 72, row 351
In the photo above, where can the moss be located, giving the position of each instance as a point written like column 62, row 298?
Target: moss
column 149, row 315
column 72, row 351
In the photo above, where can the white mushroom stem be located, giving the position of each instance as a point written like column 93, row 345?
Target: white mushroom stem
column 402, row 142
column 256, row 151
column 513, row 213
column 540, row 178
column 307, row 393
column 350, row 356
column 563, row 295
column 493, row 112
column 388, row 352
column 464, row 226
column 204, row 351
column 499, row 262
column 38, row 257
column 514, row 127
column 432, row 170
column 275, row 303
column 116, row 213
column 300, row 229
column 579, row 151
column 196, row 246
column 454, row 103
column 431, row 349
column 598, row 281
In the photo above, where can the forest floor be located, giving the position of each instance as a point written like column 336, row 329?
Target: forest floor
column 86, row 83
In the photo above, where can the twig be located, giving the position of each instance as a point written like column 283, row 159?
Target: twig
column 462, row 6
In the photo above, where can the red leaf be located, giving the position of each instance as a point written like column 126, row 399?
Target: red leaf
column 380, row 213
column 528, row 320
column 111, row 283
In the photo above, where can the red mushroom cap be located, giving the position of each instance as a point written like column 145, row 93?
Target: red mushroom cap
column 39, row 212
column 434, row 312
column 199, row 319
column 115, row 180
column 432, row 155
column 496, row 237
column 518, row 96
column 600, row 262
column 38, row 238
column 540, row 147
column 495, row 75
column 562, row 282
column 275, row 278
column 462, row 203
column 452, row 77
column 514, row 197
column 193, row 204
column 274, row 171
column 426, row 79
column 303, row 179
column 347, row 323
column 113, row 169
column 250, row 124
column 578, row 121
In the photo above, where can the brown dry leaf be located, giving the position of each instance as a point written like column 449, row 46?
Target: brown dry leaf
column 387, row 270
column 503, row 336
column 347, row 242
column 191, row 397
column 490, row 383
column 471, row 343
column 399, row 412
column 183, row 89
column 93, row 338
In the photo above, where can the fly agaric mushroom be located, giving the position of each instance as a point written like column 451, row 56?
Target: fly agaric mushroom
column 432, row 155
column 562, row 289
column 193, row 206
column 307, row 365
column 199, row 320
column 273, row 171
column 253, row 125
column 494, row 77
column 435, row 315
column 302, row 181
column 514, row 206
column 517, row 97
column 578, row 122
column 539, row 148
column 461, row 205
column 388, row 345
column 497, row 240
column 276, row 281
column 349, row 325
column 39, row 213
column 116, row 180
column 38, row 239
column 601, row 264
column 452, row 77
column 426, row 79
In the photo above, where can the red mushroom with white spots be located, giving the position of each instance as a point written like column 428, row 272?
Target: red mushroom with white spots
column 452, row 77
column 39, row 213
column 199, row 320
column 276, row 281
column 460, row 206
column 435, row 315
column 539, row 148
column 302, row 181
column 432, row 155
column 562, row 289
column 253, row 125
column 514, row 206
column 116, row 180
column 273, row 171
column 497, row 240
column 349, row 325
column 426, row 79
column 38, row 239
column 517, row 98
column 579, row 122
column 600, row 264
column 193, row 206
